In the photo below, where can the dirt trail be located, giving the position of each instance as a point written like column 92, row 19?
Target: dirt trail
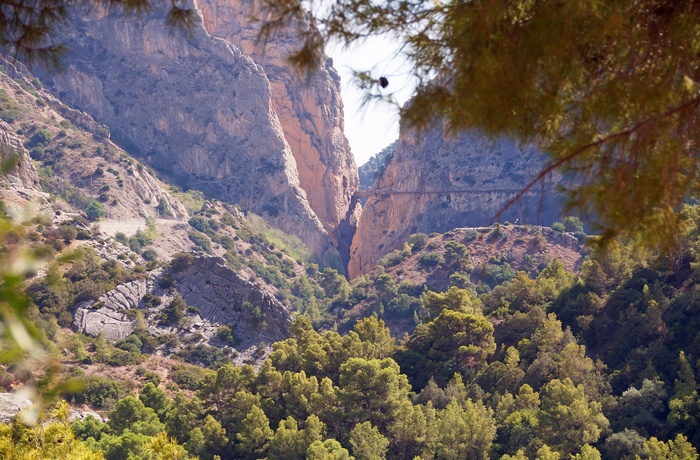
column 172, row 234
column 131, row 226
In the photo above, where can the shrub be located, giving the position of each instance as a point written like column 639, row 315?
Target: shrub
column 200, row 240
column 572, row 224
column 163, row 208
column 95, row 210
column 211, row 357
column 498, row 271
column 181, row 261
column 187, row 376
column 417, row 241
column 558, row 227
column 149, row 255
column 98, row 391
column 455, row 252
column 41, row 137
column 430, row 260
column 174, row 312
column 67, row 233
column 225, row 334
column 391, row 259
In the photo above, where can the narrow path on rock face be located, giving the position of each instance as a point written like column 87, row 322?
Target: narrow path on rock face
column 131, row 226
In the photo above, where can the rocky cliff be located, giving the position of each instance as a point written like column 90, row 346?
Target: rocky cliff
column 220, row 295
column 19, row 182
column 201, row 110
column 433, row 162
column 308, row 105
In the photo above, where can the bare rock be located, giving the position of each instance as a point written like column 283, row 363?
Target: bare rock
column 436, row 161
column 82, row 414
column 224, row 297
column 221, row 296
column 198, row 109
column 19, row 181
column 308, row 105
column 11, row 405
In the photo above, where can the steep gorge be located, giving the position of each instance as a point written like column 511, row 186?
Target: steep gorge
column 436, row 161
column 244, row 128
column 308, row 105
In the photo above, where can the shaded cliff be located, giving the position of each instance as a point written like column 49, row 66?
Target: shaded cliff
column 435, row 161
column 196, row 108
column 308, row 105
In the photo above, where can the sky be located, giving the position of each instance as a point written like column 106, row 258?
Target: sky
column 372, row 127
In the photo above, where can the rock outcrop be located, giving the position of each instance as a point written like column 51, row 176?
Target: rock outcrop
column 223, row 297
column 308, row 105
column 12, row 404
column 15, row 163
column 110, row 314
column 19, row 181
column 435, row 161
column 202, row 111
column 219, row 294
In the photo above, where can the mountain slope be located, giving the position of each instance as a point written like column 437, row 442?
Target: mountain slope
column 201, row 111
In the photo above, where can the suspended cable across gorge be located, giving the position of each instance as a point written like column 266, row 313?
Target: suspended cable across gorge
column 388, row 193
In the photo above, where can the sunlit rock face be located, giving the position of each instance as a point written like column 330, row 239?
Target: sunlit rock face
column 434, row 161
column 308, row 105
column 204, row 107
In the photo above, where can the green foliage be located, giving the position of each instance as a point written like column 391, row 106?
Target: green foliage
column 255, row 434
column 53, row 440
column 204, row 355
column 99, row 392
column 367, row 442
column 188, row 376
column 174, row 313
column 226, row 334
column 455, row 252
column 392, row 259
column 181, row 261
column 465, row 431
column 163, row 208
column 9, row 112
column 417, row 241
column 430, row 259
column 200, row 240
column 497, row 271
column 558, row 227
column 40, row 138
column 573, row 224
column 95, row 210
column 131, row 414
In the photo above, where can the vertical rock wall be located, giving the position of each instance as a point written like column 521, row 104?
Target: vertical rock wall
column 435, row 161
column 309, row 107
column 202, row 111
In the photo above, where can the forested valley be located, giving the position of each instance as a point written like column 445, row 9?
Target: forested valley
column 501, row 365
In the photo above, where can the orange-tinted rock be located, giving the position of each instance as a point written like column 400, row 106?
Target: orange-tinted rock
column 436, row 162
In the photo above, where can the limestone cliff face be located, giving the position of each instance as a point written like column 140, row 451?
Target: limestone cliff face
column 17, row 168
column 309, row 108
column 435, row 161
column 195, row 106
column 220, row 295
column 19, row 182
